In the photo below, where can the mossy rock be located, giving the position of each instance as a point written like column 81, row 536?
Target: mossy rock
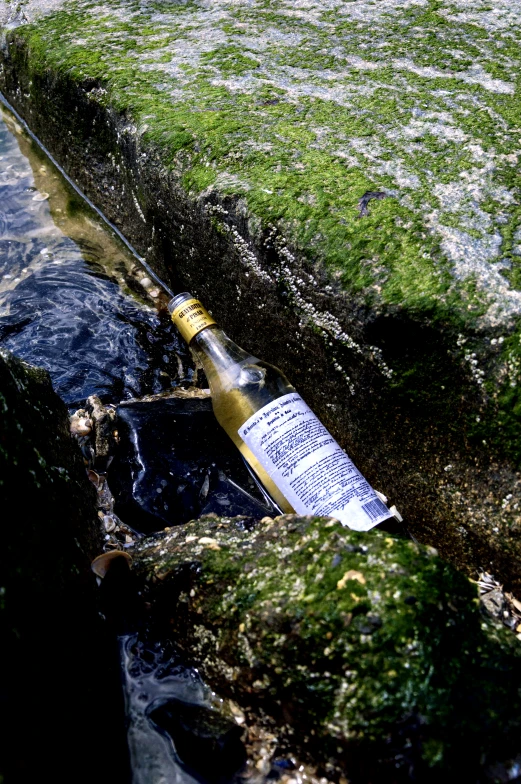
column 245, row 149
column 38, row 454
column 55, row 654
column 365, row 653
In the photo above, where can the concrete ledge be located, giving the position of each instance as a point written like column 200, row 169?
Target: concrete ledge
column 233, row 144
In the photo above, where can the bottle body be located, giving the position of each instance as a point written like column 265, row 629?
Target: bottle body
column 296, row 459
column 240, row 384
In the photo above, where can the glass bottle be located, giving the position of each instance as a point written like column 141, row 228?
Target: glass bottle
column 295, row 458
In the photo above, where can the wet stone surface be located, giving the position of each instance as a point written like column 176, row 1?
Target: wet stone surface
column 205, row 741
column 174, row 462
column 49, row 622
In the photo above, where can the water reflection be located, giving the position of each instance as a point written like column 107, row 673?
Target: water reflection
column 69, row 293
column 151, row 675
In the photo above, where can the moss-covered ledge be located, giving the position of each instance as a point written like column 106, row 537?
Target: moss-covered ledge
column 364, row 654
column 233, row 144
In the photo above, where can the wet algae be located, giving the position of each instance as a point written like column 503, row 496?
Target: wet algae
column 364, row 653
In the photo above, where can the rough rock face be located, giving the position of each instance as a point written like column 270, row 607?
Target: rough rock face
column 54, row 655
column 364, row 653
column 339, row 183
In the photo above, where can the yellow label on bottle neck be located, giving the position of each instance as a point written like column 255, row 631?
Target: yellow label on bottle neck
column 190, row 317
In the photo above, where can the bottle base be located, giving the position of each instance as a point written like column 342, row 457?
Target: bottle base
column 394, row 527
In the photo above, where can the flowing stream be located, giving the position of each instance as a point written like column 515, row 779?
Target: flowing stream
column 70, row 294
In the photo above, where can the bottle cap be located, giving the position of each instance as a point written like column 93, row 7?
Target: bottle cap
column 189, row 316
column 172, row 305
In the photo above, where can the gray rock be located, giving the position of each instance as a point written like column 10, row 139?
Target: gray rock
column 494, row 603
column 104, row 423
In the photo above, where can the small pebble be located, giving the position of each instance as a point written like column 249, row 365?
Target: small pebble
column 94, row 477
column 237, row 713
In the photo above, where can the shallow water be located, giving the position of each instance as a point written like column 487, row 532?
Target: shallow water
column 70, row 298
column 71, row 302
column 152, row 675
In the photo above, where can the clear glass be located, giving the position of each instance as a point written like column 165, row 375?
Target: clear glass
column 240, row 384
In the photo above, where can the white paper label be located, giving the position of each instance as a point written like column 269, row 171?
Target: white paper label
column 308, row 466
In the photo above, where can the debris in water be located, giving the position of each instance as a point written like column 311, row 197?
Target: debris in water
column 116, row 533
column 80, row 424
column 497, row 603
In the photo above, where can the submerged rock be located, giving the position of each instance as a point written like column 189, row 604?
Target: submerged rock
column 55, row 662
column 205, row 741
column 364, row 653
column 174, row 462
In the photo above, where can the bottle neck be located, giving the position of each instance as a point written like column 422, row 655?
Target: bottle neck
column 217, row 352
column 220, row 357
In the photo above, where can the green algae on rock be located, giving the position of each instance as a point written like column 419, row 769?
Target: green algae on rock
column 365, row 654
column 232, row 143
column 281, row 107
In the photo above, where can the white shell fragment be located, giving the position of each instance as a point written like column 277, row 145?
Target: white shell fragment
column 109, row 523
column 80, row 426
column 101, row 564
column 211, row 544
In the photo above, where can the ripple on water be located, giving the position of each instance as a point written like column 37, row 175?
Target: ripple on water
column 61, row 304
